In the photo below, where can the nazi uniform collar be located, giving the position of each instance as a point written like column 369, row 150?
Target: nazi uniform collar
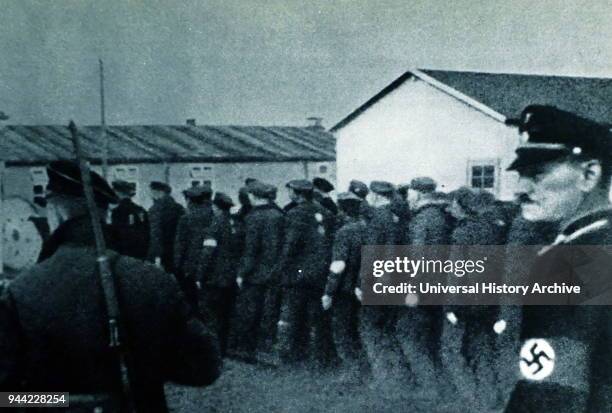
column 582, row 226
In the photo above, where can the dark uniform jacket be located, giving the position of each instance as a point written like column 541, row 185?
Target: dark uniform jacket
column 131, row 225
column 347, row 248
column 430, row 225
column 189, row 238
column 327, row 203
column 221, row 252
column 384, row 227
column 54, row 332
column 164, row 216
column 580, row 336
column 262, row 245
column 306, row 250
column 471, row 240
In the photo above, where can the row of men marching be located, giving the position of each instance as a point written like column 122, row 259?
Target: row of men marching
column 285, row 281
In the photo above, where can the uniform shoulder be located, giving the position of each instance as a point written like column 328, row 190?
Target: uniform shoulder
column 133, row 270
column 431, row 209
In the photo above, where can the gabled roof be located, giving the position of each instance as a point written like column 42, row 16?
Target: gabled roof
column 30, row 145
column 502, row 95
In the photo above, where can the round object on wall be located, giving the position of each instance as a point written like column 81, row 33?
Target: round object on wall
column 21, row 240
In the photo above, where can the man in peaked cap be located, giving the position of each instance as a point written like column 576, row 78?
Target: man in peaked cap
column 343, row 278
column 302, row 185
column 164, row 215
column 303, row 266
column 189, row 238
column 256, row 278
column 358, row 188
column 222, row 202
column 63, row 292
column 216, row 275
column 563, row 161
column 322, row 188
column 378, row 322
column 361, row 190
column 65, row 183
column 130, row 222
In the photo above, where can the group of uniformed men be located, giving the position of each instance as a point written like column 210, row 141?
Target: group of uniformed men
column 285, row 281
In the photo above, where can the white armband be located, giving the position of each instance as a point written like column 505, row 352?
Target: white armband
column 210, row 242
column 337, row 267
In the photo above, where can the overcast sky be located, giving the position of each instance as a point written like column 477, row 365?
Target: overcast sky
column 272, row 62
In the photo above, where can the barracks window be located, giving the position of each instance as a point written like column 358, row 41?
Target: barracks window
column 125, row 173
column 483, row 174
column 200, row 175
column 39, row 181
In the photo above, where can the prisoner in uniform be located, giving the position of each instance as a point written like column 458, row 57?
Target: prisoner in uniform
column 342, row 280
column 130, row 222
column 378, row 323
column 216, row 276
column 164, row 216
column 361, row 190
column 468, row 337
column 53, row 324
column 263, row 240
column 322, row 188
column 419, row 327
column 273, row 300
column 564, row 165
column 189, row 238
column 303, row 267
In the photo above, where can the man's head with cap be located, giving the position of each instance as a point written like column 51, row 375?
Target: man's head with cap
column 223, row 201
column 469, row 202
column 198, row 194
column 124, row 189
column 300, row 190
column 420, row 189
column 159, row 189
column 382, row 192
column 350, row 204
column 322, row 185
column 66, row 196
column 563, row 161
column 359, row 188
column 260, row 192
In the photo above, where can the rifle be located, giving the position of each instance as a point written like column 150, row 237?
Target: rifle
column 106, row 276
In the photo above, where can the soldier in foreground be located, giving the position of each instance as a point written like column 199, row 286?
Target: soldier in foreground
column 564, row 167
column 53, row 322
column 130, row 222
column 163, row 219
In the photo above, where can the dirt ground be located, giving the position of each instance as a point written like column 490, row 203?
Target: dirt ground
column 258, row 389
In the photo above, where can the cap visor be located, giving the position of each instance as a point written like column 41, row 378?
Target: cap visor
column 526, row 157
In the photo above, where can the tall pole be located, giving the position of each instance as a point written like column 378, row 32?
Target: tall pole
column 3, row 117
column 104, row 138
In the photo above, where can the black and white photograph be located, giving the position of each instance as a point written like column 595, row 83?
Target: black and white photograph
column 285, row 206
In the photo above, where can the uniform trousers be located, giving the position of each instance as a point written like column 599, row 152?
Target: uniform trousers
column 304, row 328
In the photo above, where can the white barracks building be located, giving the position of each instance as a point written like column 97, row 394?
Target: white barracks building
column 450, row 126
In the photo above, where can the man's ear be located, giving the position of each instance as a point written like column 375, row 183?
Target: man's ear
column 591, row 175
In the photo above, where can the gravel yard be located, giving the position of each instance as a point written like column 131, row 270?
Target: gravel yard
column 253, row 388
